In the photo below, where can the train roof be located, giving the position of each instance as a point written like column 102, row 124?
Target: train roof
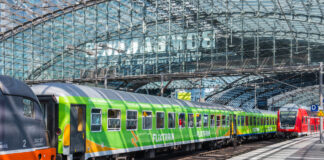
column 294, row 106
column 11, row 86
column 66, row 89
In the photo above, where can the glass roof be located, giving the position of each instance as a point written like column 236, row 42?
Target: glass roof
column 300, row 17
column 64, row 39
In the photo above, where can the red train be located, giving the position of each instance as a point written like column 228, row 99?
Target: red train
column 295, row 120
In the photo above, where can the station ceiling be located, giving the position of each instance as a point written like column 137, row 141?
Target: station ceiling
column 88, row 39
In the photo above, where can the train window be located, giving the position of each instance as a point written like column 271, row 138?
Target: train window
column 80, row 119
column 182, row 120
column 246, row 120
column 171, row 120
column 159, row 120
column 212, row 120
column 95, row 120
column 29, row 110
column 131, row 120
column 147, row 119
column 218, row 121
column 198, row 120
column 265, row 120
column 242, row 121
column 113, row 119
column 223, row 121
column 262, row 120
column 227, row 121
column 205, row 120
column 276, row 121
column 255, row 121
column 258, row 120
column 190, row 120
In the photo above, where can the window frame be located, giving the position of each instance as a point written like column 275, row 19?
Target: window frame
column 184, row 120
column 33, row 111
column 151, row 120
column 163, row 120
column 193, row 120
column 204, row 121
column 174, row 120
column 210, row 117
column 228, row 121
column 197, row 120
column 136, row 120
column 113, row 118
column 220, row 120
column 223, row 120
column 100, row 119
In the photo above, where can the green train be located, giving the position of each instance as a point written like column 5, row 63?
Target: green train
column 86, row 122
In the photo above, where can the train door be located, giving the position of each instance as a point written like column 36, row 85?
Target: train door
column 78, row 130
column 50, row 114
column 235, row 125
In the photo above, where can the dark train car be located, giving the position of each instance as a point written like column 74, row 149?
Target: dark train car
column 295, row 120
column 23, row 134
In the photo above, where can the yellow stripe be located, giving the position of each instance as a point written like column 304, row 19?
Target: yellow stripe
column 94, row 147
column 136, row 139
column 66, row 135
column 133, row 142
column 134, row 135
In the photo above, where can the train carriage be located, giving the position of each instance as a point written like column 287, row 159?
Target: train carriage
column 22, row 129
column 96, row 122
column 253, row 122
column 295, row 120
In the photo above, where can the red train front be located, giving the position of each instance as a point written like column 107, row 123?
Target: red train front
column 295, row 120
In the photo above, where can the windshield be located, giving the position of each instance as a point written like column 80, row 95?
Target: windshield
column 288, row 118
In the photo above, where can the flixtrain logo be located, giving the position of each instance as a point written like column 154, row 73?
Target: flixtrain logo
column 135, row 139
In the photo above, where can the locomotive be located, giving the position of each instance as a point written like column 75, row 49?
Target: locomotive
column 295, row 120
column 23, row 132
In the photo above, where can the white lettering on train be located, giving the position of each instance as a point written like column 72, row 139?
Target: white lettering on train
column 163, row 137
column 39, row 142
column 3, row 146
column 255, row 129
column 203, row 133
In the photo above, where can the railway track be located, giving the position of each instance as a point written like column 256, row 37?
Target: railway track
column 223, row 153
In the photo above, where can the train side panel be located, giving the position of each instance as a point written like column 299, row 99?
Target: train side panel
column 105, row 141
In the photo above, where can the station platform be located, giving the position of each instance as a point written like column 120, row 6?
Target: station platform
column 303, row 148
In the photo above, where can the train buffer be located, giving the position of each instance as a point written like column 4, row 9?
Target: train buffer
column 306, row 148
